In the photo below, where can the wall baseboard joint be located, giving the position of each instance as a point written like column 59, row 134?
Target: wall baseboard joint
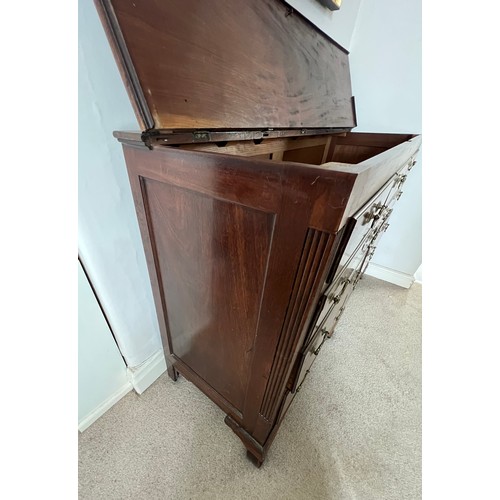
column 142, row 376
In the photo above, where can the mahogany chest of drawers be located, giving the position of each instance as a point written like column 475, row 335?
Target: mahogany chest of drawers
column 259, row 209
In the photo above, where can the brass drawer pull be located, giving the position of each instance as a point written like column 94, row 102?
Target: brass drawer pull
column 305, row 375
column 374, row 213
column 385, row 212
column 381, row 229
column 399, row 179
column 325, row 336
column 412, row 163
column 333, row 298
column 336, row 298
column 340, row 313
column 366, row 260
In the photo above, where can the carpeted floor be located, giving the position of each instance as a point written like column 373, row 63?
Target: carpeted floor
column 353, row 432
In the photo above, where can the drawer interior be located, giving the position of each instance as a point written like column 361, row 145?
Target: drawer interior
column 348, row 148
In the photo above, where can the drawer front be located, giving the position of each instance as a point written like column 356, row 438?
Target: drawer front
column 346, row 286
column 328, row 312
column 394, row 193
column 364, row 229
column 328, row 303
column 321, row 333
column 308, row 357
column 371, row 212
column 370, row 223
column 381, row 224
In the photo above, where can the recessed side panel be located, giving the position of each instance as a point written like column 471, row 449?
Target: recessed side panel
column 212, row 257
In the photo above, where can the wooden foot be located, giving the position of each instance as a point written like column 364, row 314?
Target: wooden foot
column 254, row 459
column 172, row 372
column 255, row 451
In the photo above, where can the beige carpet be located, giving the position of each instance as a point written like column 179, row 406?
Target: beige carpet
column 353, row 432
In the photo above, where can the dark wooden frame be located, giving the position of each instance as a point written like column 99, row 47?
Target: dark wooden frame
column 306, row 204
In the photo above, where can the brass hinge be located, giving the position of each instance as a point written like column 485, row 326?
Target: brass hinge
column 148, row 137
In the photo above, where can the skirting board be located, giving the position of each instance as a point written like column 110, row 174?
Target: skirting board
column 142, row 376
column 418, row 275
column 89, row 419
column 390, row 275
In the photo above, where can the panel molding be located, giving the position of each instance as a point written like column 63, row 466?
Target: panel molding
column 213, row 279
column 314, row 254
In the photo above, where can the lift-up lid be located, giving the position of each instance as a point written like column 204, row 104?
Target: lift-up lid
column 228, row 65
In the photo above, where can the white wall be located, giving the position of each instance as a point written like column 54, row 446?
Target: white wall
column 109, row 240
column 102, row 373
column 386, row 74
column 338, row 24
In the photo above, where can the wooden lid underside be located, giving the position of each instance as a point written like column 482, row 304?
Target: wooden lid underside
column 227, row 64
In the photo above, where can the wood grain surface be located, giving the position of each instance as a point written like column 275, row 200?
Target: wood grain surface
column 231, row 64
